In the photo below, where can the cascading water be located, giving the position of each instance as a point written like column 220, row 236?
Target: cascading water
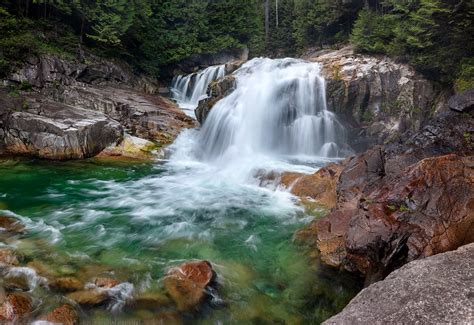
column 278, row 110
column 190, row 89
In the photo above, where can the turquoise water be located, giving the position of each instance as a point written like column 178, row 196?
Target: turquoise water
column 135, row 220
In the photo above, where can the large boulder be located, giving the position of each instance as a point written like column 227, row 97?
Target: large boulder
column 397, row 203
column 433, row 290
column 51, row 130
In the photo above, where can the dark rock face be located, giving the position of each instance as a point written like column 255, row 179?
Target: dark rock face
column 463, row 102
column 216, row 91
column 401, row 202
column 433, row 290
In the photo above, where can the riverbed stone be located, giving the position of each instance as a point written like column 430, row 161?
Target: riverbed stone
column 92, row 297
column 186, row 284
column 15, row 306
column 11, row 225
column 65, row 315
column 66, row 284
column 432, row 290
column 8, row 257
column 105, row 283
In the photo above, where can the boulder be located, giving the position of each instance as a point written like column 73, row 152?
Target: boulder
column 14, row 307
column 395, row 203
column 65, row 315
column 217, row 90
column 433, row 290
column 52, row 130
column 319, row 187
column 186, row 284
column 463, row 102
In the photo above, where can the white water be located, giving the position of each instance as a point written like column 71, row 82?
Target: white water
column 189, row 90
column 276, row 119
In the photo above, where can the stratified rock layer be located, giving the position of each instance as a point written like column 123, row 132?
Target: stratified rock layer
column 433, row 290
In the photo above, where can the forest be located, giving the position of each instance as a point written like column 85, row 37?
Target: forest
column 435, row 36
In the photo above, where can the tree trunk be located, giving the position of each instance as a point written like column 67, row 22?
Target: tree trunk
column 276, row 13
column 267, row 21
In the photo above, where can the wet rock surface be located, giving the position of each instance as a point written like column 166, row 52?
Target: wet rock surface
column 216, row 91
column 463, row 102
column 186, row 284
column 433, row 290
column 74, row 110
column 65, row 314
column 398, row 203
column 15, row 306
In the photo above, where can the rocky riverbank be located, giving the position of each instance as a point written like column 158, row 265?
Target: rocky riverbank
column 59, row 109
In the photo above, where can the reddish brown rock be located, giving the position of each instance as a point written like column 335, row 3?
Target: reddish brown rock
column 7, row 257
column 14, row 307
column 186, row 283
column 320, row 186
column 425, row 210
column 66, row 315
column 11, row 225
column 105, row 283
column 66, row 284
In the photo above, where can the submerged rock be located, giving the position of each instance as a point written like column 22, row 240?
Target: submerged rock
column 7, row 257
column 66, row 315
column 433, row 290
column 66, row 284
column 92, row 297
column 105, row 283
column 187, row 283
column 15, row 306
column 11, row 225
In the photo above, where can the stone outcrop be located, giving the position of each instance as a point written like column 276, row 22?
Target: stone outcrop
column 75, row 110
column 463, row 102
column 433, row 290
column 216, row 91
column 377, row 97
column 398, row 203
column 187, row 283
column 51, row 130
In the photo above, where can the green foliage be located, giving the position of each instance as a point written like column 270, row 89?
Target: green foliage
column 436, row 36
column 465, row 77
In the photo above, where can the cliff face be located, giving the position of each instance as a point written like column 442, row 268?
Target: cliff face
column 379, row 99
column 75, row 110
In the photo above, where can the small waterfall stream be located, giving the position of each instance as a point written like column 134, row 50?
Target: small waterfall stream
column 190, row 89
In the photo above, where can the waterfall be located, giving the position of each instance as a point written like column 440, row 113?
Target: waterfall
column 277, row 109
column 190, row 89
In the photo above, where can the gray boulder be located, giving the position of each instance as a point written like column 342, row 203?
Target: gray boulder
column 434, row 290
column 463, row 102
